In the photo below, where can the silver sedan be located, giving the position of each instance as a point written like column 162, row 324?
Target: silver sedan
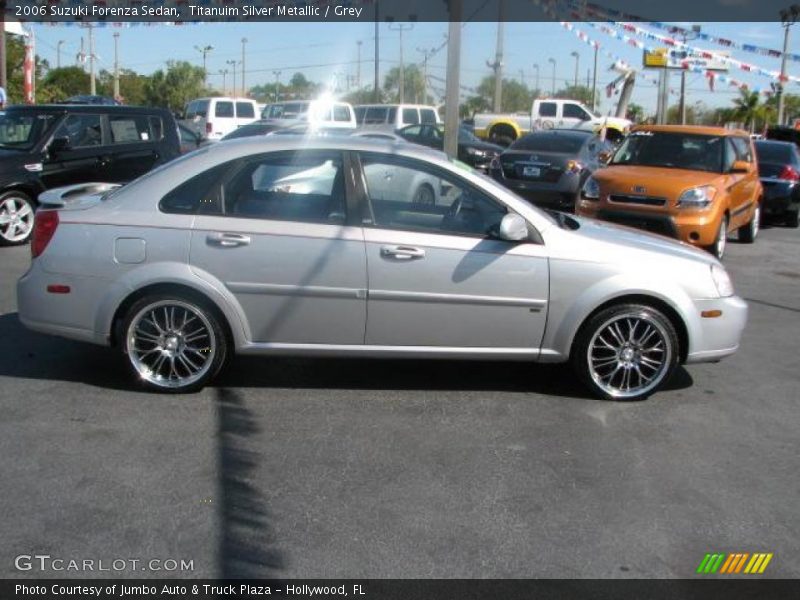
column 320, row 246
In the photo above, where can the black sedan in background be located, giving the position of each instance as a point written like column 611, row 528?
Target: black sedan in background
column 476, row 153
column 779, row 170
column 549, row 167
column 252, row 130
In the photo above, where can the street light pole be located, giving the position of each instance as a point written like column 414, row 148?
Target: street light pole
column 686, row 35
column 232, row 63
column 594, row 78
column 92, row 82
column 536, row 70
column 577, row 60
column 116, row 65
column 277, row 83
column 358, row 71
column 401, row 28
column 204, row 50
column 377, row 85
column 244, row 88
column 553, row 60
column 788, row 18
column 58, row 53
column 452, row 84
column 224, row 73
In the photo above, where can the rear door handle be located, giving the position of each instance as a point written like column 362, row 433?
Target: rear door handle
column 403, row 252
column 228, row 240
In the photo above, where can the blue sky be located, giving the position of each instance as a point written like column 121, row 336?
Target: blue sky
column 325, row 51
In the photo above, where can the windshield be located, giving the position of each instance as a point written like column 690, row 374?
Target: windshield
column 673, row 150
column 23, row 131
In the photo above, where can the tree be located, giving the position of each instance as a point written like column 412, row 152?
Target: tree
column 747, row 108
column 60, row 84
column 635, row 112
column 413, row 85
column 581, row 93
column 365, row 95
column 516, row 96
column 174, row 87
column 132, row 86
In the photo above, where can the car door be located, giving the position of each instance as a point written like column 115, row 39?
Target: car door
column 437, row 278
column 135, row 145
column 77, row 152
column 281, row 243
column 746, row 185
column 572, row 115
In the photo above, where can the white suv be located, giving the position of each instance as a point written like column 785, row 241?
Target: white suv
column 317, row 113
column 394, row 116
column 214, row 118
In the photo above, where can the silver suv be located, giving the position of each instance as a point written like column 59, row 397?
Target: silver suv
column 325, row 246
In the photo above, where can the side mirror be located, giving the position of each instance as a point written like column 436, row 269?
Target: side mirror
column 513, row 228
column 59, row 145
column 740, row 166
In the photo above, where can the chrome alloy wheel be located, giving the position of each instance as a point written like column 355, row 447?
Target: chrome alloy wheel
column 16, row 219
column 755, row 224
column 629, row 355
column 171, row 343
column 722, row 237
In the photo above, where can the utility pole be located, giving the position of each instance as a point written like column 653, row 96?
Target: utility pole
column 224, row 73
column 232, row 63
column 204, row 50
column 497, row 65
column 3, row 82
column 426, row 54
column 452, row 85
column 116, row 65
column 277, row 83
column 92, row 82
column 58, row 53
column 686, row 35
column 401, row 28
column 577, row 60
column 358, row 67
column 788, row 18
column 244, row 88
column 553, row 60
column 377, row 86
column 594, row 77
column 536, row 77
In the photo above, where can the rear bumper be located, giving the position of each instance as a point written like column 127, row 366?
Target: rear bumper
column 557, row 194
column 718, row 337
column 780, row 196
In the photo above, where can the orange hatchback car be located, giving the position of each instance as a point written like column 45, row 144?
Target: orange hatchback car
column 696, row 184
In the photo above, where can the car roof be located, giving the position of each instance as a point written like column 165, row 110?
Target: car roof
column 695, row 129
column 111, row 108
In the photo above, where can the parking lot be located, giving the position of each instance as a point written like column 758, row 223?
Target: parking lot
column 356, row 468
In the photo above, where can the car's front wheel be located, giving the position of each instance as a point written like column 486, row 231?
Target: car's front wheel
column 626, row 352
column 721, row 241
column 172, row 343
column 16, row 218
column 749, row 231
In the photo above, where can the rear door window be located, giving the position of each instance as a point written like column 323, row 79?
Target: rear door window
column 245, row 110
column 126, row 129
column 223, row 109
column 410, row 116
column 427, row 115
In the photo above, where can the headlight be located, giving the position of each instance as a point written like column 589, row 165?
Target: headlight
column 722, row 281
column 697, row 197
column 475, row 152
column 591, row 189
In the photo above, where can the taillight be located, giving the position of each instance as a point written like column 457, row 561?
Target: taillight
column 573, row 166
column 209, row 127
column 789, row 173
column 44, row 227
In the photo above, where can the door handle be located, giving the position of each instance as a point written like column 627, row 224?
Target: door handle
column 403, row 252
column 228, row 240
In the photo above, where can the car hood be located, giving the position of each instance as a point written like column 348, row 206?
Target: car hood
column 627, row 239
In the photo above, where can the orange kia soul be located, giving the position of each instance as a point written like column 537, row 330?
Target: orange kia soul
column 695, row 184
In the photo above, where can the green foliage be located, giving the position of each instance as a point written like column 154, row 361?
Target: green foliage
column 516, row 96
column 635, row 112
column 174, row 87
column 413, row 85
column 581, row 93
column 132, row 86
column 60, row 84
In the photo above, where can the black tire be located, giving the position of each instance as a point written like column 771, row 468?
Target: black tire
column 721, row 241
column 424, row 195
column 790, row 219
column 749, row 231
column 16, row 218
column 143, row 344
column 502, row 135
column 628, row 355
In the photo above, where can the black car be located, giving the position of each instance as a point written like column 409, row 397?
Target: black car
column 252, row 129
column 87, row 99
column 549, row 167
column 476, row 153
column 779, row 170
column 47, row 146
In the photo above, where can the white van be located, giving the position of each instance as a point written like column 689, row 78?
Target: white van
column 317, row 113
column 394, row 116
column 213, row 118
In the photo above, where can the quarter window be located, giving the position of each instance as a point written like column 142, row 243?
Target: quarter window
column 127, row 129
column 742, row 146
column 81, row 131
column 305, row 186
column 245, row 110
column 408, row 195
column 410, row 116
column 427, row 115
column 200, row 194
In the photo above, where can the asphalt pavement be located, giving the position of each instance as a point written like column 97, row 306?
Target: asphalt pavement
column 361, row 468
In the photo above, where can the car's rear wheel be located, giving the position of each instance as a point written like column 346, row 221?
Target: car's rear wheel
column 721, row 241
column 172, row 343
column 16, row 218
column 749, row 231
column 626, row 352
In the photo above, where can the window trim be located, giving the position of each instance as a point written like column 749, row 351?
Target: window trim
column 367, row 212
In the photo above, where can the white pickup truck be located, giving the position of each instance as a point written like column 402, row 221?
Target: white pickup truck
column 549, row 113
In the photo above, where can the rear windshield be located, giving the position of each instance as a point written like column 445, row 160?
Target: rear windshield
column 23, row 131
column 672, row 150
column 549, row 142
column 288, row 110
column 774, row 153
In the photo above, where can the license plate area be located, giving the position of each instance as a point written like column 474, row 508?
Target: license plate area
column 531, row 172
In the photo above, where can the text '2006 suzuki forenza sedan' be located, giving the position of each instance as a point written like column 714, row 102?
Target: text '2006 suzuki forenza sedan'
column 320, row 246
column 695, row 184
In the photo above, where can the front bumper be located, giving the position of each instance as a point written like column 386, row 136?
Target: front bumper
column 716, row 338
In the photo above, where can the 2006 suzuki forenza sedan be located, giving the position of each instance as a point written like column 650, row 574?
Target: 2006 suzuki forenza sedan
column 322, row 246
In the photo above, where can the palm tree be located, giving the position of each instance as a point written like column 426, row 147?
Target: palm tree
column 747, row 108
